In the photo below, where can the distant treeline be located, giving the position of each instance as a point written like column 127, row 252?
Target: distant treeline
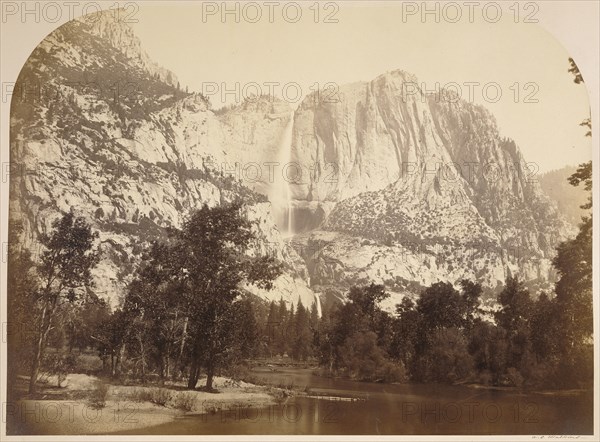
column 185, row 315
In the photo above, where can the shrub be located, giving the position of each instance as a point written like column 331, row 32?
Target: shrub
column 361, row 356
column 485, row 377
column 363, row 359
column 514, row 377
column 140, row 395
column 59, row 365
column 185, row 401
column 238, row 371
column 97, row 400
column 446, row 358
column 158, row 396
column 543, row 374
column 393, row 372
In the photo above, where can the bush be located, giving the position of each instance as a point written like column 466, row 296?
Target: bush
column 59, row 365
column 238, row 371
column 97, row 400
column 185, row 401
column 514, row 377
column 364, row 360
column 485, row 377
column 360, row 356
column 576, row 369
column 543, row 374
column 158, row 396
column 393, row 372
column 446, row 358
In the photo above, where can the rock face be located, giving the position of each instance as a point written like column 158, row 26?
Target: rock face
column 110, row 136
column 568, row 198
column 108, row 25
column 390, row 185
column 427, row 183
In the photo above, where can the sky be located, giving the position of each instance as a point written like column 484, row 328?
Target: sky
column 367, row 40
column 540, row 106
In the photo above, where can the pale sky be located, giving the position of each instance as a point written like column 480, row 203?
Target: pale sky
column 369, row 40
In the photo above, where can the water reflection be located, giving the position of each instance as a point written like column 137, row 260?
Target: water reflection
column 337, row 406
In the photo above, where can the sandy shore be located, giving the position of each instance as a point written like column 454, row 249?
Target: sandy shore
column 126, row 408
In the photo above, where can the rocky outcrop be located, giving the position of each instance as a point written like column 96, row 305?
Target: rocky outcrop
column 389, row 184
column 135, row 161
column 426, row 187
column 110, row 26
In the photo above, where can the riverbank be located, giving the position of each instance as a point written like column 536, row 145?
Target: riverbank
column 89, row 405
column 296, row 401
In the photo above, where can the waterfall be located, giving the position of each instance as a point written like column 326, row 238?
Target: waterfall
column 279, row 187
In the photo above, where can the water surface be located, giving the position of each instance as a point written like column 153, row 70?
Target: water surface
column 339, row 406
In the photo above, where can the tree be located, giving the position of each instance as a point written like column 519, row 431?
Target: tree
column 326, row 346
column 212, row 263
column 246, row 330
column 363, row 316
column 367, row 298
column 280, row 330
column 574, row 69
column 514, row 315
column 406, row 332
column 363, row 312
column 363, row 359
column 573, row 263
column 111, row 336
column 65, row 273
column 441, row 315
column 488, row 347
column 272, row 327
column 441, row 306
column 471, row 294
column 516, row 304
column 83, row 319
column 288, row 329
column 22, row 289
column 301, row 345
column 544, row 330
column 153, row 299
column 446, row 358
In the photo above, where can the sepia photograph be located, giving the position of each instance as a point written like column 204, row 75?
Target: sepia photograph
column 282, row 220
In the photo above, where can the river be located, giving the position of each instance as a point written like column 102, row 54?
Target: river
column 339, row 406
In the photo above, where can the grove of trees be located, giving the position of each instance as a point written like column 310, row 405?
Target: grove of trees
column 186, row 314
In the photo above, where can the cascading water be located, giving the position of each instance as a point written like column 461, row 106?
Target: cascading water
column 279, row 188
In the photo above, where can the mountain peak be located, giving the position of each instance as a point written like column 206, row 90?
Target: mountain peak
column 111, row 26
column 398, row 75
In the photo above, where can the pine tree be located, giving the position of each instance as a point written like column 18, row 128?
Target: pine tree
column 280, row 330
column 271, row 328
column 288, row 330
column 302, row 337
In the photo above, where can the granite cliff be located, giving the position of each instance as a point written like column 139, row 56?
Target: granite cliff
column 396, row 186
